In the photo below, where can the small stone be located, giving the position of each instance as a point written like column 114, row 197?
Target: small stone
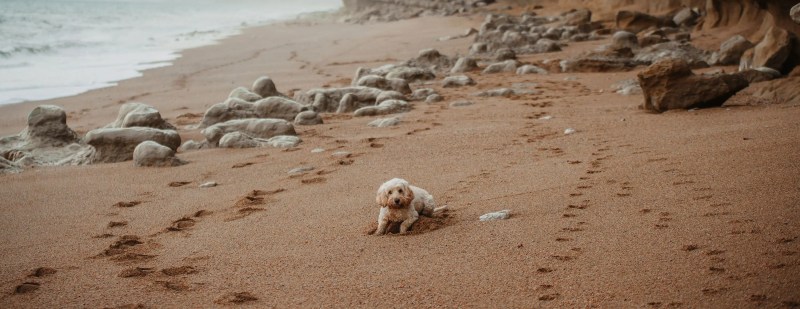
column 301, row 170
column 497, row 215
column 569, row 131
column 341, row 154
column 461, row 103
column 434, row 98
column 209, row 184
column 548, row 117
column 317, row 150
column 457, row 81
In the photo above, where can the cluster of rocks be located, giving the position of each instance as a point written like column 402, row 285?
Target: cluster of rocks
column 362, row 11
column 48, row 141
column 643, row 39
column 256, row 117
column 530, row 33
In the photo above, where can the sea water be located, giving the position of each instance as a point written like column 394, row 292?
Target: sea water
column 57, row 48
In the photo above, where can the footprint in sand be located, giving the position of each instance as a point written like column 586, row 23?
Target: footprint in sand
column 128, row 248
column 549, row 297
column 240, row 165
column 178, row 271
column 181, row 224
column 248, row 204
column 127, row 204
column 42, row 272
column 27, row 287
column 313, row 180
column 135, row 272
column 563, row 258
column 236, row 298
column 544, row 270
column 174, row 285
column 114, row 224
column 176, row 184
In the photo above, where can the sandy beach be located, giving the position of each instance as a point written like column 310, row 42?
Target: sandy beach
column 694, row 209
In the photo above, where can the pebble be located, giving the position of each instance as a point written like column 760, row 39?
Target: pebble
column 569, row 131
column 300, row 170
column 341, row 154
column 497, row 215
column 460, row 103
column 209, row 184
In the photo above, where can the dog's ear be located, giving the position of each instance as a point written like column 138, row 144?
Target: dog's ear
column 381, row 197
column 409, row 195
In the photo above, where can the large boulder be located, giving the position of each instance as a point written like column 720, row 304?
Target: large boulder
column 773, row 50
column 430, row 59
column 245, row 94
column 637, row 21
column 541, row 46
column 150, row 153
column 383, row 83
column 782, row 91
column 530, row 69
column 47, row 127
column 624, row 39
column 259, row 128
column 328, row 99
column 241, row 140
column 265, row 87
column 685, row 17
column 505, row 66
column 386, row 107
column 232, row 108
column 457, row 81
column 696, row 58
column 278, row 107
column 390, row 95
column 577, row 17
column 307, row 118
column 670, row 84
column 464, row 64
column 605, row 60
column 411, row 74
column 46, row 141
column 118, row 144
column 135, row 114
column 732, row 50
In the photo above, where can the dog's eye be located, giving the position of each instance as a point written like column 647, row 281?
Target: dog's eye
column 400, row 191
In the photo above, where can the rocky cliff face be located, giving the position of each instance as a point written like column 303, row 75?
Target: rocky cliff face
column 389, row 10
column 754, row 17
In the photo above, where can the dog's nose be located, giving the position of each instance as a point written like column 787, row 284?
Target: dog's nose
column 397, row 201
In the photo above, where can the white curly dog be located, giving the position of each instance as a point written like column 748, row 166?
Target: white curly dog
column 402, row 202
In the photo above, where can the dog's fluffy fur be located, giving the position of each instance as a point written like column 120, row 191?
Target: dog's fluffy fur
column 402, row 202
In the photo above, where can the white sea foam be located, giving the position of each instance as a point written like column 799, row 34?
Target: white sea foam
column 56, row 48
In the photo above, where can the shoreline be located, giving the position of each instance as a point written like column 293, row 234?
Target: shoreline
column 169, row 56
column 293, row 75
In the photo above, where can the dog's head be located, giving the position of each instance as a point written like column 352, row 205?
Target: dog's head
column 394, row 193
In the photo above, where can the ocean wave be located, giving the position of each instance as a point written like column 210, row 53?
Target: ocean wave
column 10, row 52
